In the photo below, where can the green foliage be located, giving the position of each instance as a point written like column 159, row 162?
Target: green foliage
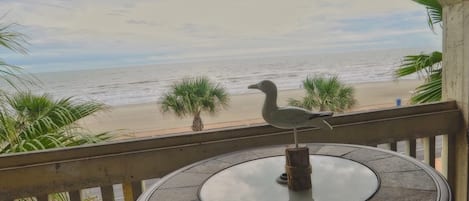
column 430, row 91
column 193, row 96
column 325, row 94
column 64, row 196
column 427, row 65
column 29, row 122
column 11, row 39
column 15, row 42
column 434, row 11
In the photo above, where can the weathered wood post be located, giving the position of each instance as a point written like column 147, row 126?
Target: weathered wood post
column 298, row 168
column 456, row 87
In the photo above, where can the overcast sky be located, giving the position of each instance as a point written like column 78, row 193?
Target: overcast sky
column 72, row 34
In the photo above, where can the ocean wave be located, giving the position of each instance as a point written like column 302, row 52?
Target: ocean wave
column 134, row 85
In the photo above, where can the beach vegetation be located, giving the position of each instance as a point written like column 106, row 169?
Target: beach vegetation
column 14, row 41
column 192, row 96
column 325, row 93
column 427, row 65
column 31, row 122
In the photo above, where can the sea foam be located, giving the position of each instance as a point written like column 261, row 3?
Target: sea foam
column 144, row 84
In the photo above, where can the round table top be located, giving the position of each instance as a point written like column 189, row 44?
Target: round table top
column 332, row 179
column 401, row 177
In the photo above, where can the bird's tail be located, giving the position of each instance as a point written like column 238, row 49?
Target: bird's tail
column 326, row 114
column 324, row 126
column 329, row 126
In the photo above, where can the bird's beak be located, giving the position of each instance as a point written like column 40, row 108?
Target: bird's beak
column 253, row 86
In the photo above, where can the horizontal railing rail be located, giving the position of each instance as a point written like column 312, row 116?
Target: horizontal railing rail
column 129, row 162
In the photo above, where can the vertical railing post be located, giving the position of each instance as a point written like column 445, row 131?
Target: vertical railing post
column 390, row 146
column 393, row 145
column 455, row 86
column 107, row 193
column 449, row 158
column 137, row 188
column 132, row 190
column 411, row 148
column 128, row 192
column 409, row 145
column 429, row 150
column 75, row 195
column 44, row 197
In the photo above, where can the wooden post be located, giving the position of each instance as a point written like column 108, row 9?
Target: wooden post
column 75, row 195
column 107, row 193
column 298, row 168
column 429, row 151
column 456, row 87
column 390, row 146
column 411, row 148
column 44, row 197
column 128, row 191
column 132, row 190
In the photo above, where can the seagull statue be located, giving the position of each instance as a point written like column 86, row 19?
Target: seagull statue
column 288, row 117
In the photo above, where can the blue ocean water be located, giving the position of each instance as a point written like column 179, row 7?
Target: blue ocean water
column 143, row 84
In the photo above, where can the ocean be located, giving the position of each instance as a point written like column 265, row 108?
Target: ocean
column 146, row 84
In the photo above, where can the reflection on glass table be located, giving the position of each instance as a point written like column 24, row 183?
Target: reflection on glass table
column 333, row 179
column 339, row 173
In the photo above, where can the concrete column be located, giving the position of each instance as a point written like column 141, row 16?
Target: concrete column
column 456, row 87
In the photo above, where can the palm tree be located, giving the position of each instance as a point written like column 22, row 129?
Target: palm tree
column 193, row 96
column 428, row 65
column 15, row 42
column 325, row 94
column 29, row 122
column 11, row 39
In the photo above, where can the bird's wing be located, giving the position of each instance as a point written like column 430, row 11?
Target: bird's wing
column 303, row 112
column 324, row 114
column 293, row 115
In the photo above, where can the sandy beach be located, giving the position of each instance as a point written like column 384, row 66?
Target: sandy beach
column 147, row 120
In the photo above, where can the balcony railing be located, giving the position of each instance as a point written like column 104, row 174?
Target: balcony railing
column 37, row 174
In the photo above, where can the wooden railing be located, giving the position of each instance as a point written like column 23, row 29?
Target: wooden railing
column 129, row 162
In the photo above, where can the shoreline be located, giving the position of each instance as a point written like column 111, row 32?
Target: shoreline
column 146, row 119
column 283, row 91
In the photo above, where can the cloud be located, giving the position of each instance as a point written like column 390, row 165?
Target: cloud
column 212, row 27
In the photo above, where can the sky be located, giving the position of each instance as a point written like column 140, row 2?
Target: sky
column 80, row 34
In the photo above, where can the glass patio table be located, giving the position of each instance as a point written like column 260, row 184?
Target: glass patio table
column 340, row 172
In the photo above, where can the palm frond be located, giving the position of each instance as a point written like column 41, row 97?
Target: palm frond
column 430, row 67
column 191, row 96
column 345, row 99
column 86, row 138
column 39, row 115
column 421, row 64
column 174, row 103
column 16, row 42
column 325, row 93
column 430, row 91
column 29, row 122
column 12, row 74
column 434, row 11
column 310, row 102
column 11, row 39
column 294, row 102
